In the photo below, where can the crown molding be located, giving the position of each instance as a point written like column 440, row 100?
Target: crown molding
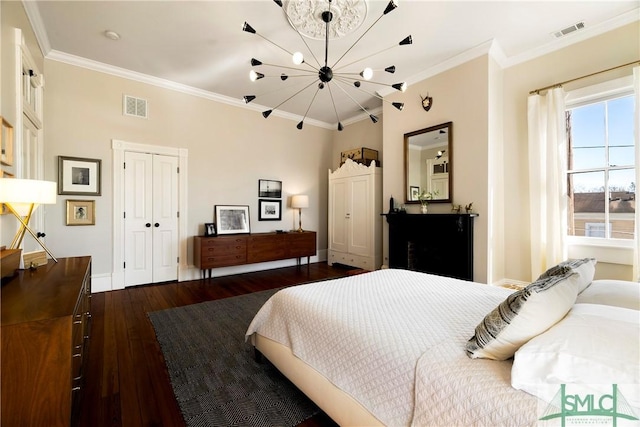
column 33, row 15
column 492, row 48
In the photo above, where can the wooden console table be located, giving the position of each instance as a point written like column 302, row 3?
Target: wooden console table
column 241, row 249
column 46, row 316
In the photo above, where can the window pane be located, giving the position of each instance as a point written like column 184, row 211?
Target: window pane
column 621, row 152
column 622, row 203
column 586, row 202
column 588, row 136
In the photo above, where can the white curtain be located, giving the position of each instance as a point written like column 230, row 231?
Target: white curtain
column 636, row 246
column 547, row 180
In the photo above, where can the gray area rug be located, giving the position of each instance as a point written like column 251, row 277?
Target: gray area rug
column 214, row 375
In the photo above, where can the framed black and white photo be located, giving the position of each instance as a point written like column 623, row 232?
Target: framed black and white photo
column 270, row 189
column 79, row 176
column 81, row 212
column 232, row 219
column 415, row 192
column 209, row 229
column 269, row 210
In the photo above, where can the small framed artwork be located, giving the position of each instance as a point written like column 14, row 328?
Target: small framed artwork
column 270, row 189
column 81, row 212
column 4, row 209
column 232, row 219
column 79, row 176
column 415, row 192
column 209, row 229
column 6, row 143
column 269, row 210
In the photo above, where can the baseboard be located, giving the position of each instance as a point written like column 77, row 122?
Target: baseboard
column 104, row 282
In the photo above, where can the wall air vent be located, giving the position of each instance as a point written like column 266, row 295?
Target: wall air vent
column 132, row 106
column 569, row 30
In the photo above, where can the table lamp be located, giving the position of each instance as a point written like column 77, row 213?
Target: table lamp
column 300, row 201
column 22, row 197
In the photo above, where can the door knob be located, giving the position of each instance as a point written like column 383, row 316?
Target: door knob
column 156, row 224
column 148, row 225
column 40, row 234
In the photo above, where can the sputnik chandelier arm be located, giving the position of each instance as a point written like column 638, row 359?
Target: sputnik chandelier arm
column 397, row 105
column 325, row 75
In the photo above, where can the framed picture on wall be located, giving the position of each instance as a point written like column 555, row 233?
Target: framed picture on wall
column 6, row 142
column 81, row 212
column 269, row 188
column 269, row 210
column 79, row 176
column 232, row 219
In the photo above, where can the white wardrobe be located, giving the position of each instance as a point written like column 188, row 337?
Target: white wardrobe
column 355, row 223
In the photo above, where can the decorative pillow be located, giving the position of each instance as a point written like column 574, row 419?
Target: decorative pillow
column 618, row 293
column 593, row 347
column 523, row 315
column 585, row 267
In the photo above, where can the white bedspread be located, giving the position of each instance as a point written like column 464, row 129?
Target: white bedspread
column 394, row 340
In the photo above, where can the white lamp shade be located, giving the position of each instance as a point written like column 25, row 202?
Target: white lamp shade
column 27, row 191
column 300, row 201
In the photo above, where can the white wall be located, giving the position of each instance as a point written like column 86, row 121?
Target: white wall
column 229, row 150
column 460, row 95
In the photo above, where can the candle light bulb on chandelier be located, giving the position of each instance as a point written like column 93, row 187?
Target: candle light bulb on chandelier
column 367, row 73
column 298, row 58
column 254, row 75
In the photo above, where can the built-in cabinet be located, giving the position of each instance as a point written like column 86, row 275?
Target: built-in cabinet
column 355, row 224
column 46, row 323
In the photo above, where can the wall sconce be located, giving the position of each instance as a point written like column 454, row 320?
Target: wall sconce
column 298, row 202
column 22, row 197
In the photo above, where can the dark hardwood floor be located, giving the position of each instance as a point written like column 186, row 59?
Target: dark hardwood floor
column 126, row 381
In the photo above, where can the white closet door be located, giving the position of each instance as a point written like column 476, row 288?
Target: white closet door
column 151, row 223
column 165, row 218
column 339, row 215
column 138, row 240
column 360, row 209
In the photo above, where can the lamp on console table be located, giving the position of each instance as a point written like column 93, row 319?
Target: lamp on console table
column 22, row 197
column 300, row 201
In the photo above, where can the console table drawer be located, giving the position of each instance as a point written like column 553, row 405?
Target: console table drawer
column 222, row 251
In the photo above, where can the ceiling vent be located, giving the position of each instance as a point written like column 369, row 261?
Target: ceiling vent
column 569, row 30
column 134, row 106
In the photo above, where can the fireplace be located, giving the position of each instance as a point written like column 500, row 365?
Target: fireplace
column 432, row 243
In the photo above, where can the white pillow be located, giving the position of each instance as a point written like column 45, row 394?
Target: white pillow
column 593, row 347
column 523, row 315
column 585, row 267
column 618, row 293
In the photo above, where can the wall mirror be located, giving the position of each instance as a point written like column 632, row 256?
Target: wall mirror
column 428, row 163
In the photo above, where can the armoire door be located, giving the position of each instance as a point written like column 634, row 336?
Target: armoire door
column 359, row 207
column 150, row 218
column 339, row 215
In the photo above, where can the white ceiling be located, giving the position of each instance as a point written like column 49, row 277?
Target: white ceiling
column 199, row 47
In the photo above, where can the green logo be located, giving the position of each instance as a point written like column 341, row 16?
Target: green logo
column 565, row 405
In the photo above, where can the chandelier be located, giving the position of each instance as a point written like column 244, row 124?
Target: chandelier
column 324, row 75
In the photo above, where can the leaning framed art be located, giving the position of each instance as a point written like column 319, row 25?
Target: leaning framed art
column 79, row 176
column 232, row 219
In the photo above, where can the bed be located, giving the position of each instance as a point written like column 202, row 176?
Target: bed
column 392, row 347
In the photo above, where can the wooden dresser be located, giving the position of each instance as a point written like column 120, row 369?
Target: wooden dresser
column 239, row 249
column 46, row 316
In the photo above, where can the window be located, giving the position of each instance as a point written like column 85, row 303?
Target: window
column 600, row 161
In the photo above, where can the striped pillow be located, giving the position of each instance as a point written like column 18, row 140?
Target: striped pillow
column 585, row 267
column 524, row 315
